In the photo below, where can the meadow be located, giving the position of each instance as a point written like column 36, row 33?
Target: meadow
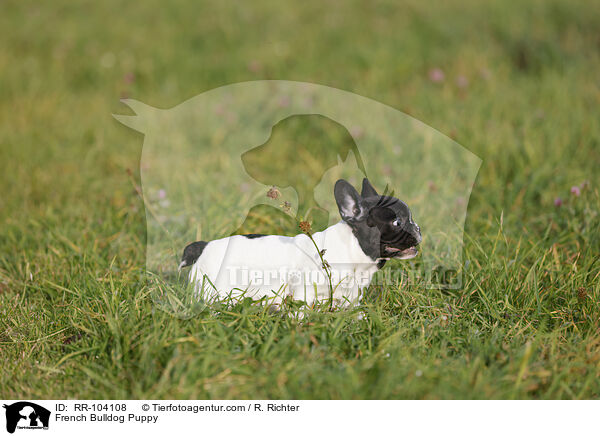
column 514, row 82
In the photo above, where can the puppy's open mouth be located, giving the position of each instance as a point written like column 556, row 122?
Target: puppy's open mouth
column 407, row 253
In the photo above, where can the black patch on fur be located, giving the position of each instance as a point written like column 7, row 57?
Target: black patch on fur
column 368, row 239
column 192, row 252
column 254, row 235
column 381, row 263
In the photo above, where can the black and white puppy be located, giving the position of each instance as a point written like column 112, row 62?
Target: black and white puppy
column 373, row 229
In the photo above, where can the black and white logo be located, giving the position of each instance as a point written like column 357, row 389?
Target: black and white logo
column 26, row 415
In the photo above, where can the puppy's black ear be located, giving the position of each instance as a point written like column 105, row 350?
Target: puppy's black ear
column 348, row 201
column 367, row 189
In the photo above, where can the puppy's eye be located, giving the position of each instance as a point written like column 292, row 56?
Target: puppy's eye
column 396, row 223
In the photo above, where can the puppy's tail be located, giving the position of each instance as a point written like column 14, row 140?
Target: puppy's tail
column 191, row 253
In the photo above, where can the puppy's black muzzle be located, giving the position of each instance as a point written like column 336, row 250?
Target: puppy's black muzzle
column 402, row 240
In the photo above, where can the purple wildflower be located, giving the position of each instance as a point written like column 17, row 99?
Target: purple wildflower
column 575, row 191
column 436, row 75
column 254, row 66
column 129, row 78
column 462, row 82
column 284, row 101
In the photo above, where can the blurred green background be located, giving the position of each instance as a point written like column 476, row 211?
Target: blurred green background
column 515, row 82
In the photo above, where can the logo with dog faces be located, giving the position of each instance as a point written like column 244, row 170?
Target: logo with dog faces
column 258, row 158
column 24, row 415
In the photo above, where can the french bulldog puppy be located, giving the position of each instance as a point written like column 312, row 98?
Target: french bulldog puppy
column 373, row 229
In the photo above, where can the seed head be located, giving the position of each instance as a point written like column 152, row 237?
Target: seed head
column 273, row 193
column 304, row 226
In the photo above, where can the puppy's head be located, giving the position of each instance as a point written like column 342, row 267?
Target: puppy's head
column 382, row 224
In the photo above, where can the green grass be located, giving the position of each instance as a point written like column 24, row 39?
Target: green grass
column 77, row 320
